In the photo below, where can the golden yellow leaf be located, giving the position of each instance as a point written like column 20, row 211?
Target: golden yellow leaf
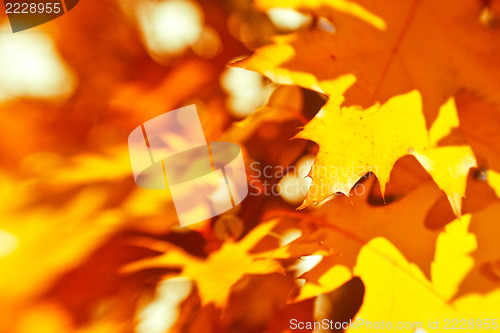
column 387, row 274
column 216, row 275
column 331, row 280
column 372, row 140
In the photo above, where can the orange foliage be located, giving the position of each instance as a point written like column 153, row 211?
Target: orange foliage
column 397, row 102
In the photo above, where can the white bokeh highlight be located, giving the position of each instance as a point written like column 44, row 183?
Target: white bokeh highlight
column 30, row 66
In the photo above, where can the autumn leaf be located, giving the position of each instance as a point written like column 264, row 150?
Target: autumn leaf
column 213, row 276
column 402, row 61
column 392, row 48
column 346, row 225
column 414, row 298
column 372, row 140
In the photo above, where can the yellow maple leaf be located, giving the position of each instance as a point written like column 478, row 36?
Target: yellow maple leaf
column 354, row 142
column 387, row 274
column 223, row 268
column 393, row 50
